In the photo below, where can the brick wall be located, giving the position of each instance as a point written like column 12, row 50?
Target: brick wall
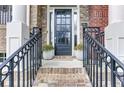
column 2, row 38
column 84, row 18
column 38, row 18
column 33, row 16
column 44, row 24
column 98, row 16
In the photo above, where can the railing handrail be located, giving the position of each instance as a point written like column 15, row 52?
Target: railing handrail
column 99, row 60
column 19, row 49
column 108, row 52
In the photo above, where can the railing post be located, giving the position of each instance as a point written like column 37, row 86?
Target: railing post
column 11, row 76
column 84, row 48
column 1, row 78
column 113, row 77
column 40, row 52
column 94, row 62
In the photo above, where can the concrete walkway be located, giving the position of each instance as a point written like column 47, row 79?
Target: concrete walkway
column 62, row 64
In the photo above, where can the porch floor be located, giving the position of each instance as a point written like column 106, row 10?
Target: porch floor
column 58, row 73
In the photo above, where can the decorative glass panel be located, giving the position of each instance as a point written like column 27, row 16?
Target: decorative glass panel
column 68, row 28
column 58, row 15
column 63, row 28
column 63, row 20
column 68, row 15
column 58, row 21
column 58, row 27
column 63, row 38
column 68, row 20
column 63, row 15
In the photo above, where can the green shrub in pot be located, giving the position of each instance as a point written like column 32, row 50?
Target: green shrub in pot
column 48, row 47
column 48, row 51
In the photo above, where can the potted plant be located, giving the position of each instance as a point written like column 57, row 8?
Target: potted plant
column 79, row 51
column 48, row 51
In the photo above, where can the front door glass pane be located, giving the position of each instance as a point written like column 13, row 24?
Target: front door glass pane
column 68, row 21
column 63, row 38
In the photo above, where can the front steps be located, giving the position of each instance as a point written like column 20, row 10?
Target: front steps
column 62, row 77
column 63, row 58
column 62, row 71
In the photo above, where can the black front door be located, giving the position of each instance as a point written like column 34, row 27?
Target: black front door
column 63, row 32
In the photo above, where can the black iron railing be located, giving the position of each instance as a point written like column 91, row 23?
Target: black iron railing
column 103, row 68
column 21, row 67
column 100, row 37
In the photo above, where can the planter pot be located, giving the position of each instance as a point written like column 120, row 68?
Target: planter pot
column 75, row 53
column 48, row 54
column 79, row 54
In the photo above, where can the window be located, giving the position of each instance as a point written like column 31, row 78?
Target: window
column 2, row 57
column 5, row 14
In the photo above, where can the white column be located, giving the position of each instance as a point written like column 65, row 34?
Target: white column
column 78, row 24
column 19, row 13
column 116, row 13
column 17, row 31
column 28, row 15
column 114, row 32
column 48, row 25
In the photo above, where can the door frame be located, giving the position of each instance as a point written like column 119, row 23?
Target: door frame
column 70, row 31
column 73, row 9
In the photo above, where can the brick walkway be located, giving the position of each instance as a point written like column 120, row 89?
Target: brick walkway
column 62, row 77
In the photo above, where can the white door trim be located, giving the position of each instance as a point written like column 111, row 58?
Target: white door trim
column 78, row 25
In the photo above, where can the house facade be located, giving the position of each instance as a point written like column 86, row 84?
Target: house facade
column 62, row 25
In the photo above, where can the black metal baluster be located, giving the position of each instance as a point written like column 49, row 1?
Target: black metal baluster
column 38, row 61
column 30, row 66
column 35, row 70
column 11, row 75
column 85, row 52
column 106, row 71
column 88, row 57
column 100, row 62
column 113, row 77
column 18, row 71
column 23, row 69
column 97, row 69
column 122, row 83
column 83, row 49
column 94, row 61
column 27, row 57
column 85, row 62
column 33, row 66
column 35, row 57
column 40, row 52
column 91, row 64
column 1, row 82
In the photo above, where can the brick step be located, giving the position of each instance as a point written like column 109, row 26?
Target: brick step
column 63, row 58
column 61, row 77
column 61, row 70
